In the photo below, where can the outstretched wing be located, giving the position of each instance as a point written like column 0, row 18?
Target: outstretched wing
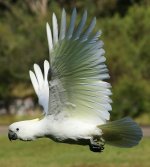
column 77, row 69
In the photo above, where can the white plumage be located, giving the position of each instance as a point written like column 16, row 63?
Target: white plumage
column 55, row 29
column 49, row 37
column 76, row 99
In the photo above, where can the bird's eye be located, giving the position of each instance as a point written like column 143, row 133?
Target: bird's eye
column 17, row 129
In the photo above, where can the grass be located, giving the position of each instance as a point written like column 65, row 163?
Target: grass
column 45, row 153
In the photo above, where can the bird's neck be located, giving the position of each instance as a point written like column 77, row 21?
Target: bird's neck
column 35, row 128
column 43, row 127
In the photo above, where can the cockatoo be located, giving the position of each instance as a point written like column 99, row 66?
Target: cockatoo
column 73, row 92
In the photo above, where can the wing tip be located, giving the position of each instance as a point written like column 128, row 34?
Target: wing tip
column 46, row 65
column 53, row 15
column 47, row 25
column 54, row 18
column 35, row 66
column 31, row 73
column 49, row 36
column 46, row 62
column 63, row 11
column 74, row 9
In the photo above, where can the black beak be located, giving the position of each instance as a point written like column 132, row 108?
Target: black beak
column 12, row 135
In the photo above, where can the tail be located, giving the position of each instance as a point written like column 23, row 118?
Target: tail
column 122, row 133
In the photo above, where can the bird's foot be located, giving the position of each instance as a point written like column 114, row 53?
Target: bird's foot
column 97, row 145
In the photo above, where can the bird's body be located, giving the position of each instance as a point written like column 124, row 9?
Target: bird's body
column 74, row 94
column 60, row 129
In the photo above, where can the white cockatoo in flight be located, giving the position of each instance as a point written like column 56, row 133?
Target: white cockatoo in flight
column 73, row 93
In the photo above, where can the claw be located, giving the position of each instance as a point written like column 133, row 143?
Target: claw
column 96, row 146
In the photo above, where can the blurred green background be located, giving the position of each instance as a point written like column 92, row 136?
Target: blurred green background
column 126, row 33
column 125, row 26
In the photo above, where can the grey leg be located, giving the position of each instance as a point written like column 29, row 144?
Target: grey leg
column 96, row 145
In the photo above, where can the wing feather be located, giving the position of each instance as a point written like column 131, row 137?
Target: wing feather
column 46, row 70
column 78, row 70
column 55, row 29
column 49, row 37
column 63, row 26
column 89, row 30
column 40, row 84
column 34, row 81
column 72, row 24
column 39, row 74
column 77, row 33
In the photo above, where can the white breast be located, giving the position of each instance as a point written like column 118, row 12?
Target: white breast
column 70, row 128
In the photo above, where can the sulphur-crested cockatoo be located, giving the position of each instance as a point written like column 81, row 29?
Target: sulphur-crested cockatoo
column 73, row 93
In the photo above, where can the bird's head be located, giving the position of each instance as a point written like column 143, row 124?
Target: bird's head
column 23, row 130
